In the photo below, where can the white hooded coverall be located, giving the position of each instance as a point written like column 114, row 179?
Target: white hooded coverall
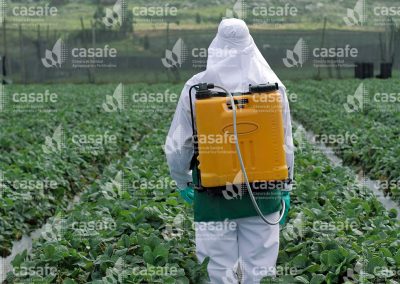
column 234, row 62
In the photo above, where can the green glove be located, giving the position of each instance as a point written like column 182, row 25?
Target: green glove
column 286, row 199
column 187, row 194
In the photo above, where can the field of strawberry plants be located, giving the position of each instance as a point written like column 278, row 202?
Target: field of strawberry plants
column 130, row 226
column 359, row 119
column 54, row 152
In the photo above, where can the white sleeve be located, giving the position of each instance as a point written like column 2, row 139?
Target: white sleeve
column 287, row 124
column 179, row 144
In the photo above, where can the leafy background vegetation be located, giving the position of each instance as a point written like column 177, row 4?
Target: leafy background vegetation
column 154, row 228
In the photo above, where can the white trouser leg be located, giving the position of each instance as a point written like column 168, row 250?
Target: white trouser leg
column 218, row 240
column 258, row 247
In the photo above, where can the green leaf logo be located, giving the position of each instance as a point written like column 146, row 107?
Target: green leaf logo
column 115, row 188
column 114, row 17
column 355, row 102
column 115, row 102
column 55, row 143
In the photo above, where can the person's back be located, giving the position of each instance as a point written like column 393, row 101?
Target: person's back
column 228, row 230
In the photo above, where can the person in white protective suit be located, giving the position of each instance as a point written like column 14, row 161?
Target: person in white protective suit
column 241, row 247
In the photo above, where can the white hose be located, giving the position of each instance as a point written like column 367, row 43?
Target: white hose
column 239, row 154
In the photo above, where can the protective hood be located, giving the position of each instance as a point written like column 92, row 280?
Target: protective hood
column 234, row 60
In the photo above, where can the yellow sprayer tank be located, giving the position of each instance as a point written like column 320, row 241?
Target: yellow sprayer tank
column 260, row 135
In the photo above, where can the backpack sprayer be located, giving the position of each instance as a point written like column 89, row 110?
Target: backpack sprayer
column 251, row 127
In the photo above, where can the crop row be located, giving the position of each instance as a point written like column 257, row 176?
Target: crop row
column 140, row 225
column 58, row 154
column 338, row 231
column 130, row 226
column 359, row 119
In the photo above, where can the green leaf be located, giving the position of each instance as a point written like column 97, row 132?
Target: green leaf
column 386, row 252
column 317, row 279
column 148, row 255
column 397, row 257
column 19, row 258
column 302, row 279
column 299, row 261
column 295, row 248
column 312, row 268
column 332, row 258
column 375, row 265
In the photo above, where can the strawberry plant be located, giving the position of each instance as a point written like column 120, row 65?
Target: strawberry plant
column 130, row 225
column 58, row 154
column 368, row 111
column 147, row 236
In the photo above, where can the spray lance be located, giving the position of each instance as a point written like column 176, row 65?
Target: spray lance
column 203, row 91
